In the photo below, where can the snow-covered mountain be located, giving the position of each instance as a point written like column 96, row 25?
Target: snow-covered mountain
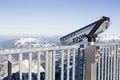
column 23, row 43
column 32, row 42
column 26, row 43
column 109, row 39
column 45, row 42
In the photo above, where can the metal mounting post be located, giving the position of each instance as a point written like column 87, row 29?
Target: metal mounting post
column 90, row 62
column 90, row 58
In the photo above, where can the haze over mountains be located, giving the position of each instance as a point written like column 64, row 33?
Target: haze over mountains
column 28, row 42
column 32, row 42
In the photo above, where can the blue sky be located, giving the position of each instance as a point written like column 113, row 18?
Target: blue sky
column 55, row 17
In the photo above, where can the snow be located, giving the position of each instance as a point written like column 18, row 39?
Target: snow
column 24, row 40
column 32, row 43
column 25, row 67
column 109, row 38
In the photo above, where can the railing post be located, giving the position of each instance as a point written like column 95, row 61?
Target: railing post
column 73, row 65
column 99, row 62
column 108, row 63
column 81, row 54
column 30, row 67
column 20, row 65
column 111, row 78
column 102, row 68
column 46, row 66
column 105, row 62
column 62, row 65
column 117, row 62
column 68, row 64
column 53, row 63
column 78, row 64
column 38, row 65
column 9, row 68
column 50, row 65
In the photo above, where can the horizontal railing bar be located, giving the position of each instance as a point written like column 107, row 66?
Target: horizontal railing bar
column 25, row 50
column 108, row 44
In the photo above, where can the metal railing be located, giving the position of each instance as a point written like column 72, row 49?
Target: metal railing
column 54, row 62
column 108, row 66
column 66, row 62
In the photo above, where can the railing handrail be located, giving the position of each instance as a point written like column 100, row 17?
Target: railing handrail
column 109, row 44
column 25, row 50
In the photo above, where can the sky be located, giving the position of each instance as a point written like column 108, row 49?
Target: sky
column 55, row 17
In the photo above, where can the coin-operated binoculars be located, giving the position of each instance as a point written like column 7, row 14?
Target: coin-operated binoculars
column 89, row 32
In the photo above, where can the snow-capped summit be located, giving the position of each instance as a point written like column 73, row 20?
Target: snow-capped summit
column 24, row 40
column 32, row 43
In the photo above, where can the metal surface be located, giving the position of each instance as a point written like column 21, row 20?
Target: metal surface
column 73, row 65
column 91, row 43
column 68, row 64
column 30, row 68
column 53, row 63
column 105, row 53
column 93, row 29
column 78, row 66
column 25, row 50
column 20, row 65
column 38, row 65
column 46, row 66
column 108, row 64
column 90, row 62
column 62, row 65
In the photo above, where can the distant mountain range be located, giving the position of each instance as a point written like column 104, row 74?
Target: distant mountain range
column 26, row 43
column 45, row 42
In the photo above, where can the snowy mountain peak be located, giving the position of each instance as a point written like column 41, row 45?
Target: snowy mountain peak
column 26, row 43
column 24, row 40
column 32, row 43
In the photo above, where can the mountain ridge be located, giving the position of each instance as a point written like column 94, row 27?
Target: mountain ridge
column 26, row 43
column 31, row 42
